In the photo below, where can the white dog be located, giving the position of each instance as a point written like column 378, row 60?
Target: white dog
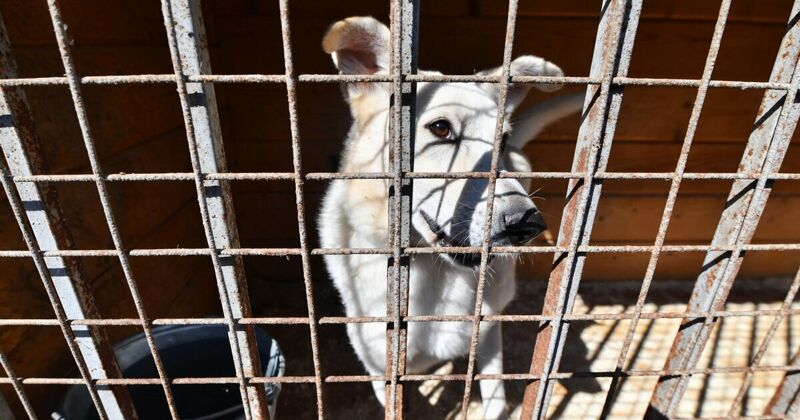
column 454, row 133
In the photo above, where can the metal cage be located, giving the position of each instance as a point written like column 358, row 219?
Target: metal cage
column 605, row 88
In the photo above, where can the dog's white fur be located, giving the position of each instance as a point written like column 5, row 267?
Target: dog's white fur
column 355, row 212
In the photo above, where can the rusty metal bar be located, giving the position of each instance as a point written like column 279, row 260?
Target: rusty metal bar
column 612, row 52
column 355, row 78
column 59, row 29
column 192, row 48
column 496, row 250
column 765, row 150
column 410, row 318
column 505, row 81
column 310, row 379
column 5, row 411
column 326, row 176
column 788, row 55
column 297, row 163
column 177, row 14
column 22, row 152
column 765, row 342
column 52, row 294
column 786, row 398
column 672, row 196
column 404, row 26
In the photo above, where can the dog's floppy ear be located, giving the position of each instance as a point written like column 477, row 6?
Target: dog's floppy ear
column 526, row 65
column 359, row 45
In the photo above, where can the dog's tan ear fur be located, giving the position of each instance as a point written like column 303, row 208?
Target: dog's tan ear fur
column 359, row 45
column 526, row 65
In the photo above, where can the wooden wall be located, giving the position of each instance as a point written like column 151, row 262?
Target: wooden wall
column 138, row 128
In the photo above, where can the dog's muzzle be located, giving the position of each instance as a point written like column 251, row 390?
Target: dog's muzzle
column 519, row 227
column 445, row 240
column 515, row 228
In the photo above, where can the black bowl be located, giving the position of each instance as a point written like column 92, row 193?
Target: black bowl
column 187, row 351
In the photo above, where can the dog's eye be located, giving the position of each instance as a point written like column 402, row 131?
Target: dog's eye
column 503, row 142
column 441, row 129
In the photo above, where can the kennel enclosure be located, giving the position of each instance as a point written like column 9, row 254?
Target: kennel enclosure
column 82, row 233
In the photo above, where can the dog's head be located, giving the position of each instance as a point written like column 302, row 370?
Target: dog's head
column 455, row 129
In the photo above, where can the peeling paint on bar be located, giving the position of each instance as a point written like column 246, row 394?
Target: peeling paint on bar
column 411, row 318
column 297, row 164
column 186, row 43
column 22, row 154
column 190, row 36
column 612, row 52
column 505, row 81
column 324, row 176
column 59, row 30
column 404, row 27
column 751, row 187
column 356, row 78
column 765, row 150
column 310, row 379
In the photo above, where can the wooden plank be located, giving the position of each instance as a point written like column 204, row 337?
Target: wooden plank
column 771, row 11
column 671, row 266
column 334, row 10
column 652, row 115
column 22, row 154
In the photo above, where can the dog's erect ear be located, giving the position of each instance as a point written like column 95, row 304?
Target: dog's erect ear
column 358, row 45
column 526, row 65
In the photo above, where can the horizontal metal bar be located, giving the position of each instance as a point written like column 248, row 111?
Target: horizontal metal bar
column 23, row 152
column 409, row 378
column 495, row 250
column 325, row 176
column 342, row 78
column 335, row 320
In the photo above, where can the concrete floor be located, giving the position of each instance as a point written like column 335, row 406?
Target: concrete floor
column 591, row 346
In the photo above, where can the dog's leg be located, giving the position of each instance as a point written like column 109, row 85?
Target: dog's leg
column 490, row 361
column 380, row 391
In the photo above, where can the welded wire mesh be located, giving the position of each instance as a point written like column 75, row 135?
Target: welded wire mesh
column 606, row 83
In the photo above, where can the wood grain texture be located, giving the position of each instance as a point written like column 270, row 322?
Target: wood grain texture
column 139, row 129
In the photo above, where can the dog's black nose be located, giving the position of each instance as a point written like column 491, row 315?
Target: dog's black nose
column 523, row 225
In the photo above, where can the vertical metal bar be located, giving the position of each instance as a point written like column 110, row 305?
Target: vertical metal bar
column 52, row 294
column 765, row 342
column 192, row 135
column 299, row 179
column 505, row 80
column 612, row 52
column 786, row 399
column 22, row 151
column 784, row 67
column 5, row 411
column 59, row 29
column 192, row 46
column 405, row 33
column 746, row 201
column 669, row 206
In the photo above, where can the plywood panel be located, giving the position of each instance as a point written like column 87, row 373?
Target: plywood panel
column 772, row 11
column 139, row 128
